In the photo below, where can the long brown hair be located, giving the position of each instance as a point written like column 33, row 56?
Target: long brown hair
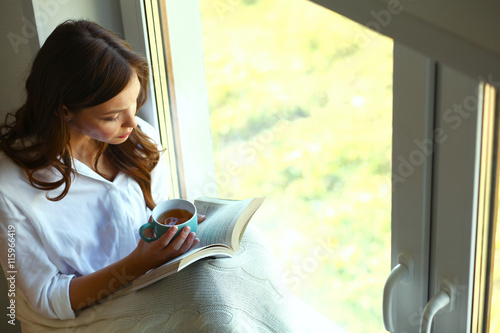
column 80, row 65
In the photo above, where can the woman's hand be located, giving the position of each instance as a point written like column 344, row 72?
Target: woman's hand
column 153, row 254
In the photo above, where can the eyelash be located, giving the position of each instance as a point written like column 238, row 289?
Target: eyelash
column 114, row 119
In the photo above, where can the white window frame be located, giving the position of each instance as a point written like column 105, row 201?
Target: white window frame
column 171, row 39
column 412, row 159
column 455, row 195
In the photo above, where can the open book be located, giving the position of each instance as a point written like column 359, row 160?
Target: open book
column 220, row 235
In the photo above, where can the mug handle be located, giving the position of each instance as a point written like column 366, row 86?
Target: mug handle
column 144, row 227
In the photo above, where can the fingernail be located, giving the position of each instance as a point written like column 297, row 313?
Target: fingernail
column 174, row 228
column 187, row 229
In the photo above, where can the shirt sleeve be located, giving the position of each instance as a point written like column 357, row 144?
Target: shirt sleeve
column 45, row 287
column 160, row 176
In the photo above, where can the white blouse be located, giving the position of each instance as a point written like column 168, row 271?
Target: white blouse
column 94, row 225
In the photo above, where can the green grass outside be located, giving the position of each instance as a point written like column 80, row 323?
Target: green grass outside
column 301, row 111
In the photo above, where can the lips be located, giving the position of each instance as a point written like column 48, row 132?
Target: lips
column 125, row 135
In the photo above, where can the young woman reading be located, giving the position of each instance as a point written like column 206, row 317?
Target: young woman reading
column 80, row 172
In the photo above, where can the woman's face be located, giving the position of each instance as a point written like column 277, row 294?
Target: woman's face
column 110, row 122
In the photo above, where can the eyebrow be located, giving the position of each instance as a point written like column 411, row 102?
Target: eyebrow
column 114, row 111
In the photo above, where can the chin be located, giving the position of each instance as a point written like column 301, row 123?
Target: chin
column 117, row 141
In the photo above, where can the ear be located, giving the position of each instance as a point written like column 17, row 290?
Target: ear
column 67, row 114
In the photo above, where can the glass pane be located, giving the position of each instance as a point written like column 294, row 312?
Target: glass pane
column 301, row 112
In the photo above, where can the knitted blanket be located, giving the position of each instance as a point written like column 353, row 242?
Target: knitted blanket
column 241, row 294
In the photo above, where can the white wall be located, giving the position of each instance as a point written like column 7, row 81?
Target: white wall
column 49, row 13
column 26, row 24
column 474, row 21
column 18, row 41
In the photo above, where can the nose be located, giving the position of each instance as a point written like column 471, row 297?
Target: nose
column 130, row 119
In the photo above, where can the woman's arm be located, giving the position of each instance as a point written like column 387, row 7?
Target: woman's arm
column 88, row 289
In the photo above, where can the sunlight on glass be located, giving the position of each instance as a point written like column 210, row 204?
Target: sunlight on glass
column 495, row 297
column 301, row 112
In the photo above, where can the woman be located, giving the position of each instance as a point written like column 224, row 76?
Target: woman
column 80, row 173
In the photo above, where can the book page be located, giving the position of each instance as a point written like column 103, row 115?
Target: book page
column 221, row 218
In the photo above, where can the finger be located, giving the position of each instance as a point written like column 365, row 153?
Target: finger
column 179, row 240
column 188, row 243
column 201, row 218
column 165, row 239
column 195, row 242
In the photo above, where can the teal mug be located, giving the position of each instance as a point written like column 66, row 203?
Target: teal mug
column 178, row 212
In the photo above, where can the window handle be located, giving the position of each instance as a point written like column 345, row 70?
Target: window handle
column 402, row 272
column 445, row 297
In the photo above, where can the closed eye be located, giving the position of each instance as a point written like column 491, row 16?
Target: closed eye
column 112, row 119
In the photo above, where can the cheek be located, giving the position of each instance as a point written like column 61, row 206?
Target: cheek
column 103, row 133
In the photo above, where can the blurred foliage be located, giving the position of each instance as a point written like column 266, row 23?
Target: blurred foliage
column 301, row 111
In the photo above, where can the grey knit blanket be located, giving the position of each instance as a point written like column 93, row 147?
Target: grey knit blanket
column 245, row 293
